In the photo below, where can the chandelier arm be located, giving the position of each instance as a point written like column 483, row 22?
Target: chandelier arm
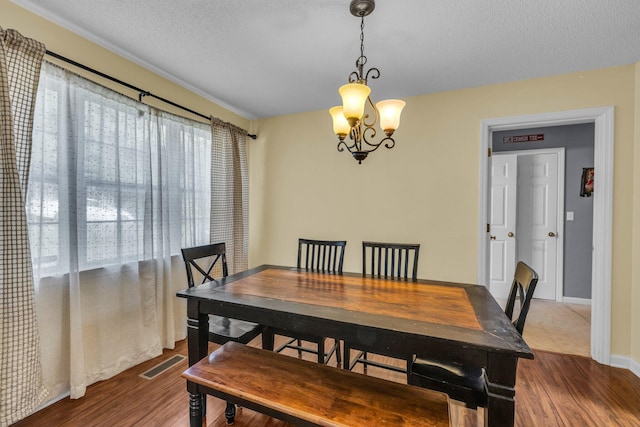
column 375, row 116
column 371, row 146
column 341, row 148
column 369, row 132
column 390, row 144
column 360, row 67
column 356, row 137
column 375, row 75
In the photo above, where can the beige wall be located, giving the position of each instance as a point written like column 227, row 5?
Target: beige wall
column 425, row 190
column 72, row 46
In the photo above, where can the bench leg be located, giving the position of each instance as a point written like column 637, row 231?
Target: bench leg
column 346, row 356
column 267, row 339
column 230, row 413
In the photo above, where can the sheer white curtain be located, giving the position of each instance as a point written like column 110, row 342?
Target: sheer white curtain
column 116, row 189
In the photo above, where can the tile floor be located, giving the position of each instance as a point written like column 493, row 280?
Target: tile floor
column 558, row 327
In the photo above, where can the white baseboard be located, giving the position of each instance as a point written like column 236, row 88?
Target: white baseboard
column 52, row 401
column 626, row 362
column 572, row 300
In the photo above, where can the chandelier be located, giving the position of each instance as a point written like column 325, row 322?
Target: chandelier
column 351, row 118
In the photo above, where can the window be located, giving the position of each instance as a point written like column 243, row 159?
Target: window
column 112, row 180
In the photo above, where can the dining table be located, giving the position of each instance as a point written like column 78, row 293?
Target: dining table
column 457, row 321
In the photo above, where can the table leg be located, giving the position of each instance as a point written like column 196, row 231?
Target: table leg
column 198, row 346
column 501, row 381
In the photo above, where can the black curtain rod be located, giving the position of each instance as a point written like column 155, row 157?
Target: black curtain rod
column 141, row 92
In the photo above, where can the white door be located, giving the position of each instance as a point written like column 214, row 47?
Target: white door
column 502, row 223
column 537, row 230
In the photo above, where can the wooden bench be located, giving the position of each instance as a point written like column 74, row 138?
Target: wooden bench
column 312, row 394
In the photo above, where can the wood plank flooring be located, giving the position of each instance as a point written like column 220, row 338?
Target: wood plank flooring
column 552, row 390
column 562, row 390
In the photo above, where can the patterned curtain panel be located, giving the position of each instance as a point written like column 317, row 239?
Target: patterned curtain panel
column 21, row 389
column 229, row 192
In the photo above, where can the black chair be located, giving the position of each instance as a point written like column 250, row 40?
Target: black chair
column 321, row 256
column 204, row 259
column 396, row 261
column 464, row 383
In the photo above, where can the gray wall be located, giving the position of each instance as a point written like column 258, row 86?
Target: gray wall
column 578, row 234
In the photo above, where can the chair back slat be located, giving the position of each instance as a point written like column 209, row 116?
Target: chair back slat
column 524, row 284
column 390, row 260
column 322, row 256
column 204, row 259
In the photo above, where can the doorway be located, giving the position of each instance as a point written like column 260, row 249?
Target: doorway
column 526, row 206
column 602, row 118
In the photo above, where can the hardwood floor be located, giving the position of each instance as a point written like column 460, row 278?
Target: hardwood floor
column 552, row 390
column 562, row 390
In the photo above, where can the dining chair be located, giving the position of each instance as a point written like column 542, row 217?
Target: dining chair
column 204, row 260
column 320, row 256
column 464, row 383
column 395, row 261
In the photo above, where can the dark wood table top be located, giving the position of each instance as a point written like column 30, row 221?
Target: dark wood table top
column 461, row 314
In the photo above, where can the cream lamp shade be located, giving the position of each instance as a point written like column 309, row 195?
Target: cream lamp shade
column 389, row 111
column 340, row 124
column 354, row 96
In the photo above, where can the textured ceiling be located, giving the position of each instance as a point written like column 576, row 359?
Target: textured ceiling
column 266, row 58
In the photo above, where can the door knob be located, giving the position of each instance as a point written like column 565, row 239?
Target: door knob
column 493, row 237
column 552, row 234
column 510, row 234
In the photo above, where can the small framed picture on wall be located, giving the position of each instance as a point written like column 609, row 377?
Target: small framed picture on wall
column 586, row 183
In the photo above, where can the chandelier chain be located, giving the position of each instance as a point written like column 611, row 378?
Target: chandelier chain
column 359, row 76
column 362, row 37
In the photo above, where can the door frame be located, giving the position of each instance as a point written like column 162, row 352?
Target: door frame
column 559, row 152
column 603, row 119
